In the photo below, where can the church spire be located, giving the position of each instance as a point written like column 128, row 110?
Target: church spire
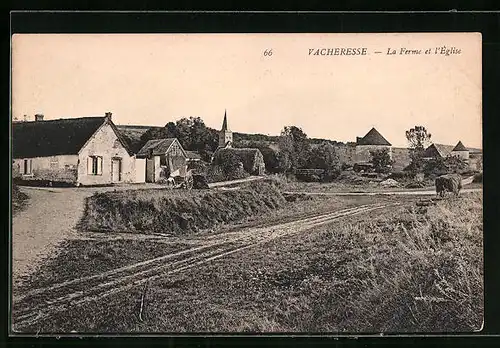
column 225, row 135
column 224, row 123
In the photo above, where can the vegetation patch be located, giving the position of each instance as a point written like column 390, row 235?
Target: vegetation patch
column 177, row 212
column 19, row 199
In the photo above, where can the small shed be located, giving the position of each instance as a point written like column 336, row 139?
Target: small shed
column 164, row 158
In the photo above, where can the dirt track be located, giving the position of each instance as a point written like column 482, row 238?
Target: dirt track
column 59, row 297
column 383, row 193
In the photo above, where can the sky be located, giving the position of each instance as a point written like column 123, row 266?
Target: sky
column 151, row 79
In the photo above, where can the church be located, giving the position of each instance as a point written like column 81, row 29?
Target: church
column 251, row 158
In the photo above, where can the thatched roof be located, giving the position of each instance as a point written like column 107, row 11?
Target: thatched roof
column 132, row 136
column 373, row 137
column 53, row 137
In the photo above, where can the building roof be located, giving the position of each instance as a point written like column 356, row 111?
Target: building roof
column 158, row 146
column 224, row 123
column 53, row 137
column 131, row 135
column 460, row 147
column 373, row 137
column 193, row 155
column 440, row 150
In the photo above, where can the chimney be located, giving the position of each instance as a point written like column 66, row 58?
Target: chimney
column 108, row 115
column 39, row 117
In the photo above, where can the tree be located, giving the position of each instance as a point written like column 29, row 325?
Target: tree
column 294, row 148
column 191, row 132
column 381, row 160
column 418, row 140
column 323, row 156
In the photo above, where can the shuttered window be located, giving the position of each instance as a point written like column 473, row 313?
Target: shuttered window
column 94, row 165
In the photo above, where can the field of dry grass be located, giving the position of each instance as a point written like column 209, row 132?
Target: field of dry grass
column 409, row 269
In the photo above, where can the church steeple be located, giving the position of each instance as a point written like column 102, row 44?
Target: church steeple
column 225, row 135
column 224, row 123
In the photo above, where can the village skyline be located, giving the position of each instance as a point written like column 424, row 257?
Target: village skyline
column 155, row 79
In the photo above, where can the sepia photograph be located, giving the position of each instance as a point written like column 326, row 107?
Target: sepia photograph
column 246, row 183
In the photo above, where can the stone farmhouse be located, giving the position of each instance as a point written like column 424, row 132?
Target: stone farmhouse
column 91, row 151
column 83, row 151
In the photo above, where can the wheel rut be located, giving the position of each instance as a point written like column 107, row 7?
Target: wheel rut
column 62, row 296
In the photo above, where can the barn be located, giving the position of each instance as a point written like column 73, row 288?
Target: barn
column 80, row 151
column 164, row 158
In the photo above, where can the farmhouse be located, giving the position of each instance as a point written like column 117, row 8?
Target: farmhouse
column 81, row 151
column 443, row 151
column 164, row 158
column 372, row 141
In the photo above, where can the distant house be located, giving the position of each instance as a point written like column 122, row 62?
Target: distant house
column 164, row 158
column 437, row 151
column 444, row 151
column 372, row 141
column 82, row 151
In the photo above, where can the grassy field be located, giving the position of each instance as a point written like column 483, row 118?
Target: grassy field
column 108, row 251
column 409, row 269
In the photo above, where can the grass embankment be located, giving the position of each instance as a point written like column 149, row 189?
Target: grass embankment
column 407, row 270
column 177, row 212
column 19, row 199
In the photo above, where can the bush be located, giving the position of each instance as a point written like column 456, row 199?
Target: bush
column 441, row 166
column 18, row 198
column 176, row 212
column 404, row 175
column 478, row 177
column 381, row 160
column 216, row 173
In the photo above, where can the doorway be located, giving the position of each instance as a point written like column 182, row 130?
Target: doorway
column 116, row 170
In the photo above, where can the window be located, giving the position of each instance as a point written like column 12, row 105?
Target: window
column 54, row 162
column 94, row 165
column 27, row 167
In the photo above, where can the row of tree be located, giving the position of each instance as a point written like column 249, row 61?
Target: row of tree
column 295, row 149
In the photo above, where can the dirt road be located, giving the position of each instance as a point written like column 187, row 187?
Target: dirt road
column 48, row 219
column 59, row 297
column 383, row 193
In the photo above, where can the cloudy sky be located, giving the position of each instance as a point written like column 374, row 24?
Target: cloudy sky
column 157, row 78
